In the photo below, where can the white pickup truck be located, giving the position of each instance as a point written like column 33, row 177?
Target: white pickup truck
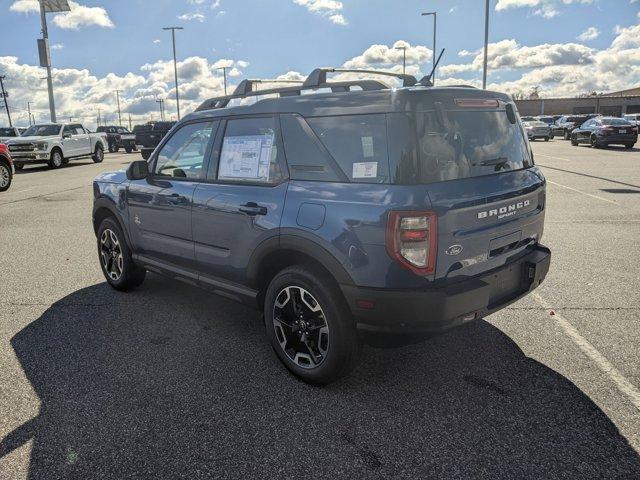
column 55, row 144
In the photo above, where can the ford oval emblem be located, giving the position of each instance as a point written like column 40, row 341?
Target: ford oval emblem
column 454, row 250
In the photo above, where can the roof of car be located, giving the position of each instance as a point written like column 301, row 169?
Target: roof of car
column 415, row 98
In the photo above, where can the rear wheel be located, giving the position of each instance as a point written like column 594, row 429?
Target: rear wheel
column 112, row 148
column 128, row 149
column 5, row 176
column 56, row 160
column 629, row 145
column 546, row 139
column 310, row 326
column 98, row 155
column 18, row 166
column 115, row 257
column 574, row 142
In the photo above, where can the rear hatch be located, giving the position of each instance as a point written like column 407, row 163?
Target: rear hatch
column 474, row 159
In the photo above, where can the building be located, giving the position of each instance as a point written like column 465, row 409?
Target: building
column 613, row 104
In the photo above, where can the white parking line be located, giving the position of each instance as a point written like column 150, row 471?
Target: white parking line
column 619, row 380
column 583, row 193
column 550, row 156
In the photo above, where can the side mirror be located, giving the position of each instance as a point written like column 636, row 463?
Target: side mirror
column 138, row 170
column 511, row 113
column 66, row 135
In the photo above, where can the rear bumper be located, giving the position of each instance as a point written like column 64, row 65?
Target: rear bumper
column 620, row 138
column 435, row 310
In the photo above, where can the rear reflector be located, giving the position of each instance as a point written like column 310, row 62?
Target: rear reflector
column 412, row 240
column 477, row 102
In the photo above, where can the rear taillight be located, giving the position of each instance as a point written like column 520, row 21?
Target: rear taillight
column 412, row 240
column 477, row 102
column 608, row 130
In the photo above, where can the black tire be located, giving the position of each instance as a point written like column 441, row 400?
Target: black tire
column 546, row 139
column 18, row 166
column 339, row 336
column 128, row 149
column 130, row 275
column 567, row 135
column 594, row 142
column 98, row 155
column 56, row 160
column 574, row 142
column 629, row 145
column 146, row 153
column 112, row 148
column 6, row 176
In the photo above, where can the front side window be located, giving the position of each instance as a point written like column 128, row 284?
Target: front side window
column 184, row 153
column 250, row 151
column 358, row 143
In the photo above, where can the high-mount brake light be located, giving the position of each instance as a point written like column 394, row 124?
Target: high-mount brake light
column 412, row 240
column 477, row 102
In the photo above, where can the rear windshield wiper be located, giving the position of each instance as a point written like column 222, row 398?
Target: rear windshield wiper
column 499, row 162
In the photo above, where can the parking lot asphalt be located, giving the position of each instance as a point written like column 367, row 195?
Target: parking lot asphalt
column 172, row 382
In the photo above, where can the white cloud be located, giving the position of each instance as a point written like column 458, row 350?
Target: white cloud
column 25, row 6
column 192, row 16
column 157, row 40
column 331, row 9
column 57, row 46
column 82, row 16
column 589, row 34
column 543, row 8
column 386, row 56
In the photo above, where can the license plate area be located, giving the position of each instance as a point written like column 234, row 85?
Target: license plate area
column 506, row 283
column 622, row 131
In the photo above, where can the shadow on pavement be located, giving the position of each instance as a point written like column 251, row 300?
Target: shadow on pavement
column 44, row 167
column 171, row 382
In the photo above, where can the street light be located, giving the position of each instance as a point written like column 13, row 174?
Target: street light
column 224, row 74
column 49, row 6
column 486, row 45
column 426, row 14
column 118, row 99
column 404, row 58
column 175, row 64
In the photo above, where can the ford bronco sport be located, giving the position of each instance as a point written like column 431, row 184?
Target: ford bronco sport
column 358, row 212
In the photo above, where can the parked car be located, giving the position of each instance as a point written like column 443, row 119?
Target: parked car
column 634, row 118
column 566, row 124
column 361, row 214
column 550, row 121
column 149, row 135
column 528, row 119
column 7, row 133
column 56, row 144
column 537, row 130
column 6, row 168
column 604, row 131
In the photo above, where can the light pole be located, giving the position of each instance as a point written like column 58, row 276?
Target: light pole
column 4, row 95
column 426, row 14
column 29, row 111
column 224, row 74
column 161, row 102
column 175, row 64
column 118, row 99
column 486, row 44
column 404, row 58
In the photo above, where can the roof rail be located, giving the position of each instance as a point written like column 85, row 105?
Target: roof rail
column 246, row 89
column 319, row 76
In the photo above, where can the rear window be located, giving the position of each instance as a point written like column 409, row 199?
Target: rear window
column 358, row 143
column 615, row 121
column 459, row 144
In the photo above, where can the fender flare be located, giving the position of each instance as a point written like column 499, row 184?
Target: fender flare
column 307, row 245
column 104, row 202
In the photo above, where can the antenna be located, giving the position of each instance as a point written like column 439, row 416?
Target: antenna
column 426, row 81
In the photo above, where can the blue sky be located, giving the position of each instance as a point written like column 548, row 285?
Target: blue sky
column 106, row 44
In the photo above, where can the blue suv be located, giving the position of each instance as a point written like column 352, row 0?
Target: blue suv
column 355, row 213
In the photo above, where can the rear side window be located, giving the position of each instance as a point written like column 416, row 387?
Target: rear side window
column 358, row 143
column 251, row 151
column 306, row 159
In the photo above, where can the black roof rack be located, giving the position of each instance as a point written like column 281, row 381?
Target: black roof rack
column 319, row 76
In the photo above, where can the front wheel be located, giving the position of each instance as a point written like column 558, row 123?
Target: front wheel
column 98, row 156
column 56, row 160
column 309, row 325
column 128, row 149
column 115, row 258
column 594, row 142
column 574, row 142
column 5, row 176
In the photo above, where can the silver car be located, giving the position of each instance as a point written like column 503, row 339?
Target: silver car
column 537, row 130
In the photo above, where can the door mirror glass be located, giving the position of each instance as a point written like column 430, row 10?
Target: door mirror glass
column 138, row 170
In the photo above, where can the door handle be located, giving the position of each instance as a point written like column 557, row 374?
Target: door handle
column 177, row 199
column 253, row 209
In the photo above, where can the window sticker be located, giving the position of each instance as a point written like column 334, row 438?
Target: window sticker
column 367, row 147
column 246, row 157
column 365, row 170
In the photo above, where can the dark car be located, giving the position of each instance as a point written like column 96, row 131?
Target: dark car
column 149, row 135
column 566, row 124
column 351, row 212
column 604, row 131
column 6, row 168
column 118, row 137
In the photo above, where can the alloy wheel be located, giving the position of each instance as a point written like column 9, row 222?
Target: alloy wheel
column 5, row 176
column 111, row 254
column 57, row 159
column 301, row 327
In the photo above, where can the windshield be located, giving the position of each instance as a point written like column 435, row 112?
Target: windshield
column 535, row 124
column 42, row 131
column 7, row 132
column 463, row 144
column 615, row 121
column 576, row 119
